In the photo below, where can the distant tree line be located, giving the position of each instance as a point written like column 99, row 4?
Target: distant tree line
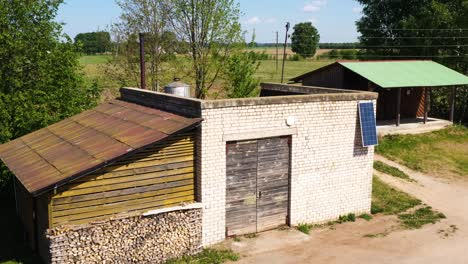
column 344, row 45
column 94, row 42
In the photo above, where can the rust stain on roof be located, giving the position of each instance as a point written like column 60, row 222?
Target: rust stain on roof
column 86, row 142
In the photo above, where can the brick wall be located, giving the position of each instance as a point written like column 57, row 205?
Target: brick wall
column 331, row 174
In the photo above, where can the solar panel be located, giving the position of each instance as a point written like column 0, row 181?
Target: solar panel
column 368, row 124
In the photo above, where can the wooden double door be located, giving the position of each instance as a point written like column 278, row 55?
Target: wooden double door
column 257, row 187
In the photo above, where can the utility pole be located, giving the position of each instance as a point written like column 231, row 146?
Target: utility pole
column 284, row 52
column 142, row 61
column 276, row 51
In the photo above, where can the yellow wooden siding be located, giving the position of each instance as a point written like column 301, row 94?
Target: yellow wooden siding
column 160, row 176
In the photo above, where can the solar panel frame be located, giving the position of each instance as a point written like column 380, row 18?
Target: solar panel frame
column 368, row 124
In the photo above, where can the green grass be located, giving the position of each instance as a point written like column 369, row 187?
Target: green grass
column 366, row 217
column 207, row 256
column 388, row 200
column 304, row 228
column 267, row 70
column 440, row 153
column 347, row 218
column 384, row 234
column 94, row 59
column 390, row 170
column 420, row 217
column 94, row 70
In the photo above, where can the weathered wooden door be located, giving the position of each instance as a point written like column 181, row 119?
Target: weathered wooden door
column 257, row 187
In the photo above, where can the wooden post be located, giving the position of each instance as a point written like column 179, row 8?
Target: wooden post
column 452, row 104
column 142, row 61
column 398, row 108
column 284, row 52
column 426, row 104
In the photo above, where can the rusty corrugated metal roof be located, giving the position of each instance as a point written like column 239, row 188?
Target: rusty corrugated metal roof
column 86, row 142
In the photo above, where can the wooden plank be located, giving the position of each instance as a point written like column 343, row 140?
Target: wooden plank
column 122, row 192
column 121, row 204
column 150, row 163
column 241, row 173
column 137, row 177
column 113, row 211
column 272, row 183
column 126, row 185
column 120, row 198
column 105, row 214
column 131, row 172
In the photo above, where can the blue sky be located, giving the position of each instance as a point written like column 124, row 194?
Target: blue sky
column 335, row 19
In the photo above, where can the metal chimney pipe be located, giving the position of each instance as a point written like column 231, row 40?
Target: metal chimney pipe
column 142, row 61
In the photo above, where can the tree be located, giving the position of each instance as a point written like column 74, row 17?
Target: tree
column 419, row 29
column 150, row 17
column 305, row 39
column 211, row 27
column 40, row 82
column 94, row 42
column 239, row 74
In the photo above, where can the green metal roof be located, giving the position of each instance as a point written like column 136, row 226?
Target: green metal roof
column 393, row 74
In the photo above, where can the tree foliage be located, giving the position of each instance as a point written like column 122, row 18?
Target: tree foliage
column 419, row 29
column 211, row 28
column 94, row 42
column 305, row 39
column 150, row 17
column 239, row 74
column 39, row 71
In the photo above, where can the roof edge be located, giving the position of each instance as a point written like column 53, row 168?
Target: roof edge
column 109, row 162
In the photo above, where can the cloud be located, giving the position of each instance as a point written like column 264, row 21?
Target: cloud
column 270, row 20
column 357, row 9
column 253, row 20
column 314, row 6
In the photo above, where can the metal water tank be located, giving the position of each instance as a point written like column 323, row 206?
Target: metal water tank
column 178, row 88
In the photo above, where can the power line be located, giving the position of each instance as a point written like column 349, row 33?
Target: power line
column 408, row 46
column 396, row 56
column 445, row 37
column 415, row 29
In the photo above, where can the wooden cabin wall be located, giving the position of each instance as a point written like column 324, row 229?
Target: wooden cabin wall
column 331, row 77
column 355, row 81
column 25, row 212
column 42, row 224
column 160, row 176
column 412, row 103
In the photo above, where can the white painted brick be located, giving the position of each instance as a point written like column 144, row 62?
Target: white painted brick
column 331, row 174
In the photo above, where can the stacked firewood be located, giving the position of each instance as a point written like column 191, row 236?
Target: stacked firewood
column 135, row 239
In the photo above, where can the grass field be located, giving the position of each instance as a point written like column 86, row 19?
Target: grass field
column 94, row 66
column 94, row 59
column 440, row 153
column 267, row 71
column 388, row 200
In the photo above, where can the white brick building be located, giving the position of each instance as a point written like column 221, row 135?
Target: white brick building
column 329, row 174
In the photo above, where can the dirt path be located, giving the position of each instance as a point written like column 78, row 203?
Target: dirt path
column 347, row 244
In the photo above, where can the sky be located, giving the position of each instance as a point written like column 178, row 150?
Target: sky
column 334, row 19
